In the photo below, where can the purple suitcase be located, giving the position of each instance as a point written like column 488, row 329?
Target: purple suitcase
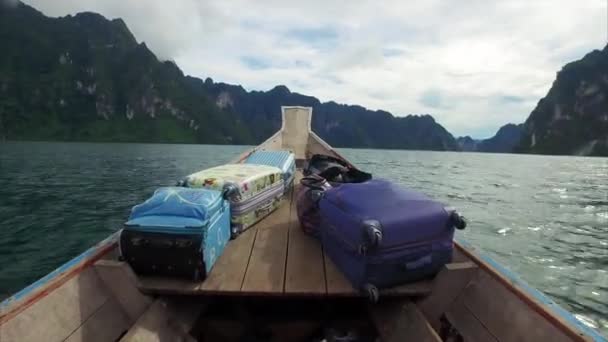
column 381, row 235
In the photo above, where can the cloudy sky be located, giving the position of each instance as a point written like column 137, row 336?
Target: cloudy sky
column 473, row 64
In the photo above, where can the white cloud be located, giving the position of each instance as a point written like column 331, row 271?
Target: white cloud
column 487, row 63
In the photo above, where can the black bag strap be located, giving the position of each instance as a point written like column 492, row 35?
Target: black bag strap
column 322, row 159
column 356, row 176
column 313, row 182
column 333, row 172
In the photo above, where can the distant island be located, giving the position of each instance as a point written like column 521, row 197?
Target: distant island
column 85, row 78
column 504, row 141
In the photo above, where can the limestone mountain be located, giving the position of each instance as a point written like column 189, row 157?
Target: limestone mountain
column 573, row 117
column 504, row 141
column 467, row 144
column 340, row 125
column 84, row 77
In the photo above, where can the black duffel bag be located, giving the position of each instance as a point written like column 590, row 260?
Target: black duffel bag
column 334, row 170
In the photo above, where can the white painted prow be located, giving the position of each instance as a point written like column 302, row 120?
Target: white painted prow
column 295, row 129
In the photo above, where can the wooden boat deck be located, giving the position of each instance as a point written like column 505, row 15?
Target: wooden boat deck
column 274, row 258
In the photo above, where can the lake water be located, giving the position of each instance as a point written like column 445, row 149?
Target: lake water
column 544, row 217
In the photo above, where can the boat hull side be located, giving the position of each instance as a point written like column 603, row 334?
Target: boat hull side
column 538, row 301
column 12, row 306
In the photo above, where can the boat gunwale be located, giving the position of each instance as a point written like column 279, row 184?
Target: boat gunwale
column 539, row 302
column 31, row 294
column 328, row 147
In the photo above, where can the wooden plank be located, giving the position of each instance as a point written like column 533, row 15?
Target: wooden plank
column 106, row 324
column 14, row 305
column 458, row 256
column 337, row 284
column 448, row 284
column 402, row 321
column 122, row 283
column 505, row 315
column 305, row 272
column 266, row 270
column 167, row 286
column 229, row 270
column 466, row 324
column 61, row 312
column 417, row 289
column 166, row 320
column 532, row 298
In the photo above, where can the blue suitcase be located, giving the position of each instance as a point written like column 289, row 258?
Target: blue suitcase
column 284, row 160
column 177, row 232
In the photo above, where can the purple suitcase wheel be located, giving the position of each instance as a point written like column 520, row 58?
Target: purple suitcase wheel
column 372, row 292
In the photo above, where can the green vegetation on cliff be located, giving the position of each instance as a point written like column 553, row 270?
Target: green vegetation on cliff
column 84, row 77
column 573, row 117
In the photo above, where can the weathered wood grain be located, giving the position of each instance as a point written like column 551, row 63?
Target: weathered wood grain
column 305, row 272
column 402, row 321
column 266, row 270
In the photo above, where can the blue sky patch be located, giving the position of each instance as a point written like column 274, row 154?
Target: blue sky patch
column 315, row 37
column 512, row 99
column 303, row 64
column 392, row 52
column 431, row 98
column 255, row 63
